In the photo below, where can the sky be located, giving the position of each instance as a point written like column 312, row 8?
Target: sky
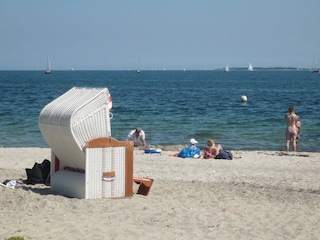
column 146, row 34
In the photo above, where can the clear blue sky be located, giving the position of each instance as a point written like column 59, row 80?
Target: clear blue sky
column 148, row 34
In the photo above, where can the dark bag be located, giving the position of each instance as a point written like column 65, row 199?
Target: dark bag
column 223, row 154
column 39, row 173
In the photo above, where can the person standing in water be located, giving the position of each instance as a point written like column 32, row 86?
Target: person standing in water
column 291, row 130
column 298, row 125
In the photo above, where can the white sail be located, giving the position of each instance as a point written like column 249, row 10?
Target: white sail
column 250, row 68
column 48, row 70
column 315, row 68
column 227, row 69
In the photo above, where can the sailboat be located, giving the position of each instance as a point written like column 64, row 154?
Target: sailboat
column 314, row 67
column 48, row 70
column 250, row 68
column 227, row 69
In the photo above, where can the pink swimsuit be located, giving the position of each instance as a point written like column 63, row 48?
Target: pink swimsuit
column 291, row 131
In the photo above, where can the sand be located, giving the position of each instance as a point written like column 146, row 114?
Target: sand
column 257, row 195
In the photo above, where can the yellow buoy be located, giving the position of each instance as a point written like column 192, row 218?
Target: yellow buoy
column 244, row 98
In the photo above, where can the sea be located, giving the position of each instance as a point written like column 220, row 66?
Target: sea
column 174, row 106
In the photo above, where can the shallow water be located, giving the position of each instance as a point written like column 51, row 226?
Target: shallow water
column 174, row 106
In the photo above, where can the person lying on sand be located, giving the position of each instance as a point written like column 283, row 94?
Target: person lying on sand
column 212, row 150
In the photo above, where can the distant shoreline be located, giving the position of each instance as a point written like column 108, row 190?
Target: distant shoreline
column 174, row 69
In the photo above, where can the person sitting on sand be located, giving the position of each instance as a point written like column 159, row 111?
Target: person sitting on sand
column 190, row 152
column 212, row 150
column 194, row 150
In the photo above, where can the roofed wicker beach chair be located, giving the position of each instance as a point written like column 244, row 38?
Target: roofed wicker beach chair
column 86, row 162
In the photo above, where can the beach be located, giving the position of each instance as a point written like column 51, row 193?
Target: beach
column 257, row 195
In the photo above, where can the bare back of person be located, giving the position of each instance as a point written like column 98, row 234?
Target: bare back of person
column 291, row 122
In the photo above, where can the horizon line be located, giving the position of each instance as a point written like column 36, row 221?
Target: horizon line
column 164, row 69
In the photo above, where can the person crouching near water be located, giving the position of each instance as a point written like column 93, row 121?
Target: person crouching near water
column 138, row 137
column 291, row 130
column 212, row 150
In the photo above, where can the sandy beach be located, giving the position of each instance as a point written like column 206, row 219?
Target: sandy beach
column 257, row 195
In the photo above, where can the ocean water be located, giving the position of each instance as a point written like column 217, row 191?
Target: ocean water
column 174, row 106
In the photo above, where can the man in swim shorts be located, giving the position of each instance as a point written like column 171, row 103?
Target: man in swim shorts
column 291, row 131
